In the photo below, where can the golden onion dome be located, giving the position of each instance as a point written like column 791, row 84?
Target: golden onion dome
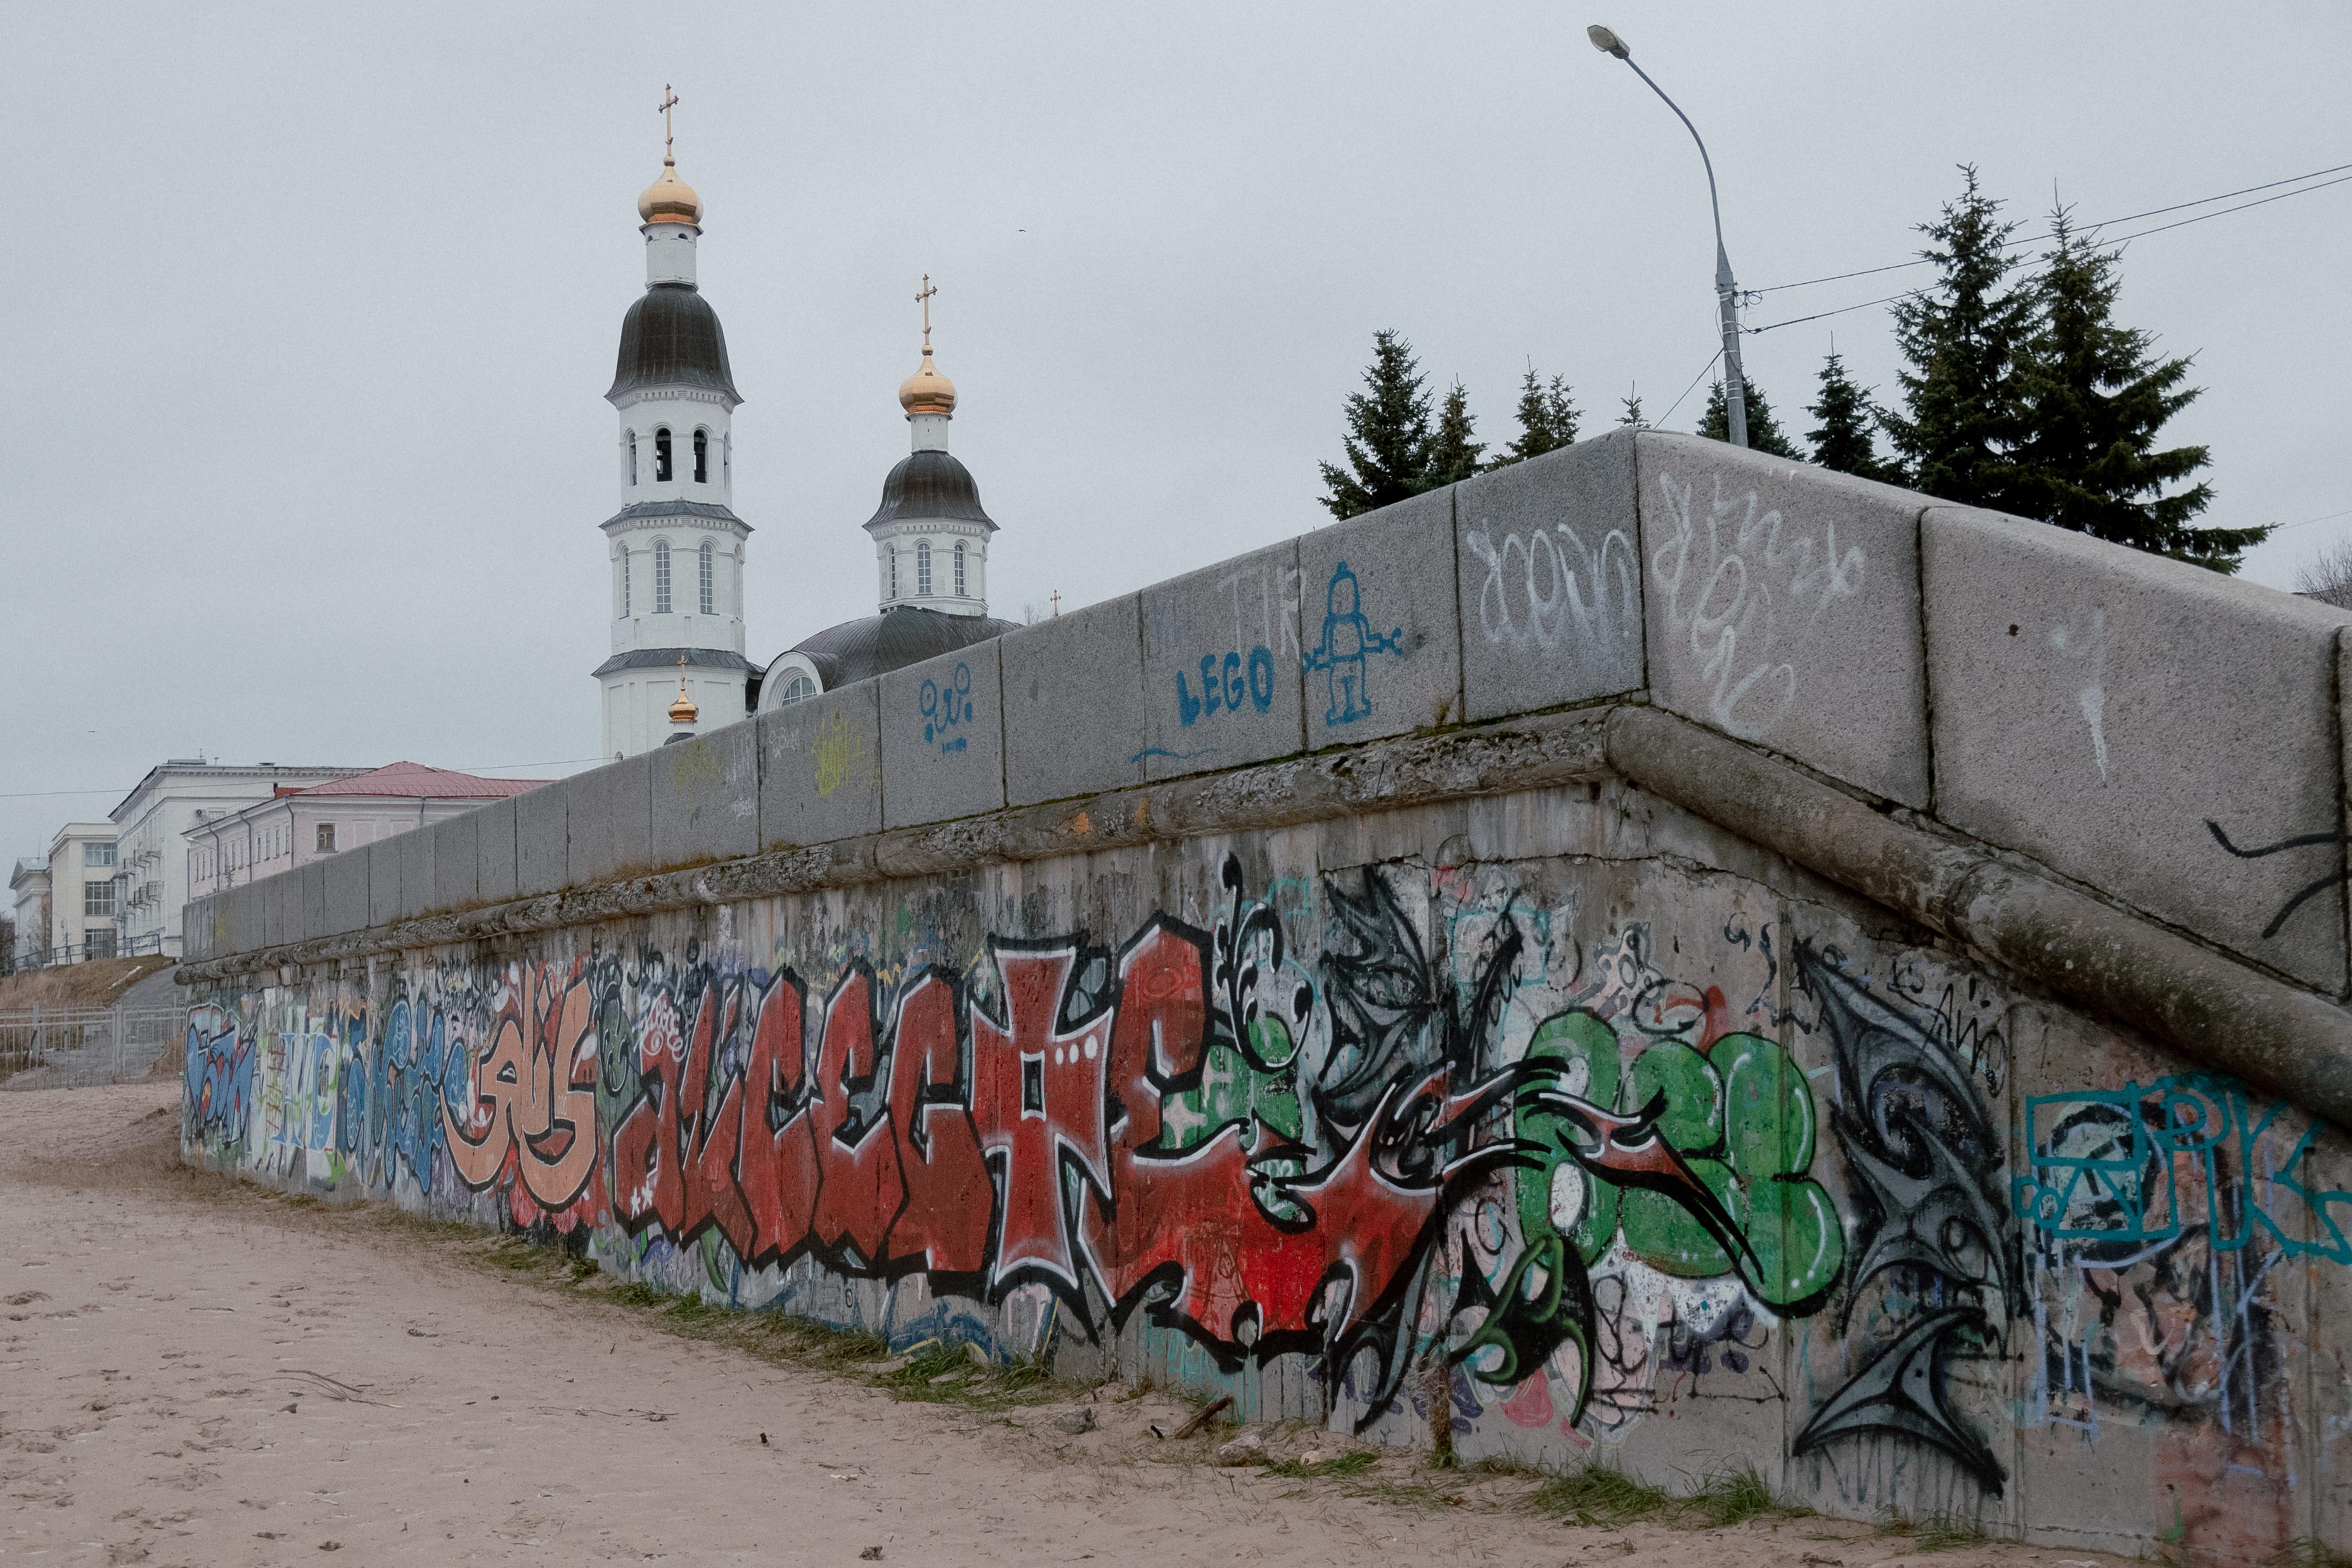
column 927, row 391
column 671, row 199
column 683, row 711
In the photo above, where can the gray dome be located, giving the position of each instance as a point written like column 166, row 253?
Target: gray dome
column 928, row 485
column 860, row 650
column 671, row 337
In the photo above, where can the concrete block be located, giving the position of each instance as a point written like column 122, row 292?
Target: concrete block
column 1378, row 624
column 246, row 930
column 195, row 929
column 415, row 872
column 542, row 840
column 2117, row 716
column 494, row 845
column 456, row 861
column 1783, row 604
column 292, row 924
column 1222, row 677
column 275, row 908
column 347, row 891
column 705, row 798
column 942, row 731
column 314, row 899
column 821, row 768
column 1074, row 704
column 629, row 799
column 1548, row 570
column 383, row 880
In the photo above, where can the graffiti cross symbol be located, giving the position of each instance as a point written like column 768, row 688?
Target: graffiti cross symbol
column 1345, row 653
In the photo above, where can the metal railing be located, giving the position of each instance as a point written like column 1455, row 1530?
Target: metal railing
column 68, row 1048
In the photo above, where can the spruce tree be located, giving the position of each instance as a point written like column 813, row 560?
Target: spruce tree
column 1845, row 438
column 1389, row 439
column 1963, row 339
column 2095, row 398
column 1630, row 412
column 1763, row 430
column 1454, row 451
column 1548, row 420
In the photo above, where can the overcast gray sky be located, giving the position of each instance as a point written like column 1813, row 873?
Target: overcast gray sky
column 310, row 308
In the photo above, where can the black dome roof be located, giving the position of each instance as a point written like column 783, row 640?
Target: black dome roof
column 671, row 338
column 929, row 484
column 857, row 650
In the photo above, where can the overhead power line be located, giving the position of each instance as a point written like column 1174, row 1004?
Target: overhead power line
column 2104, row 222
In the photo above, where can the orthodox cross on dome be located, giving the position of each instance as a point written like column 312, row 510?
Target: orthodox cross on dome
column 668, row 102
column 923, row 298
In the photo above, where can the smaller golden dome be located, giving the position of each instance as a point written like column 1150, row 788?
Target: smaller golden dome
column 683, row 711
column 671, row 199
column 927, row 391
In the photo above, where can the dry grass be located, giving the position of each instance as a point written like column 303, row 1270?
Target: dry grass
column 93, row 984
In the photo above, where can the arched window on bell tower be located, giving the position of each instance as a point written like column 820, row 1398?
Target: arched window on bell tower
column 959, row 570
column 661, row 456
column 923, row 568
column 894, row 572
column 702, row 456
column 633, row 456
column 661, row 576
column 707, row 571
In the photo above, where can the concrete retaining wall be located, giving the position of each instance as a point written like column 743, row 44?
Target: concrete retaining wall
column 1829, row 1052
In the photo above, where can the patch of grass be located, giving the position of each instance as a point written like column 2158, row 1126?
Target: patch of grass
column 586, row 1269
column 1598, row 1494
column 637, row 1293
column 1938, row 1531
column 944, row 1373
column 1735, row 1495
column 1351, row 1464
column 2309, row 1552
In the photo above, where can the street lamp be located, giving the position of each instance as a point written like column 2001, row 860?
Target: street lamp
column 1727, row 293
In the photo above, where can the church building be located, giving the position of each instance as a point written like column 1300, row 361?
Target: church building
column 678, row 664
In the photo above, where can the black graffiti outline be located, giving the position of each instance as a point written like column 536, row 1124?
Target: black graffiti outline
column 1903, row 1391
column 2302, row 841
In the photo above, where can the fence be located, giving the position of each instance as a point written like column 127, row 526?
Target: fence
column 69, row 1048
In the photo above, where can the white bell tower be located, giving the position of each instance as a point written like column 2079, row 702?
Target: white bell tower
column 676, row 545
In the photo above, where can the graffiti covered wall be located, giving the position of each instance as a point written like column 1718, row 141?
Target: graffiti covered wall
column 1520, row 1120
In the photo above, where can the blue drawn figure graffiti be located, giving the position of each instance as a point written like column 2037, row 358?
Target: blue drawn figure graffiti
column 1348, row 643
column 947, row 709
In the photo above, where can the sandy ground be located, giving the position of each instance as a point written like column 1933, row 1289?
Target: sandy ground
column 195, row 1371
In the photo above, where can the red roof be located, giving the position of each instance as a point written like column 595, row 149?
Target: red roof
column 414, row 781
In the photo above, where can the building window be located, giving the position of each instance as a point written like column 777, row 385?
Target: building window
column 626, row 608
column 702, row 456
column 800, row 690
column 99, row 943
column 97, row 898
column 726, row 458
column 923, row 568
column 326, row 838
column 894, row 572
column 633, row 456
column 661, row 576
column 98, row 854
column 661, row 456
column 708, row 571
column 960, row 590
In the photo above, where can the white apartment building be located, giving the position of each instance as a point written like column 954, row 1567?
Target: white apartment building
column 28, row 885
column 296, row 826
column 152, row 823
column 81, row 893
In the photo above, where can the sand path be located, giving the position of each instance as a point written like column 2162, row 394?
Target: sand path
column 194, row 1371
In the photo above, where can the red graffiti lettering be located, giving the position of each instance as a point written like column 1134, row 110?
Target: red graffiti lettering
column 648, row 1186
column 944, row 1226
column 1037, row 1097
column 861, row 1191
column 777, row 1167
column 533, row 1103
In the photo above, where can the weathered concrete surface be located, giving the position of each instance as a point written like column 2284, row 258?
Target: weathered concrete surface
column 2139, row 974
column 705, row 798
column 821, row 768
column 2116, row 715
column 383, row 880
column 456, row 861
column 1377, row 621
column 1053, row 750
column 1550, row 580
column 495, row 875
column 1222, row 661
column 543, row 838
column 943, row 737
column 416, row 874
column 1783, row 606
column 347, row 894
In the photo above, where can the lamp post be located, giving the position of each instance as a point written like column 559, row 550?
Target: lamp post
column 1727, row 293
